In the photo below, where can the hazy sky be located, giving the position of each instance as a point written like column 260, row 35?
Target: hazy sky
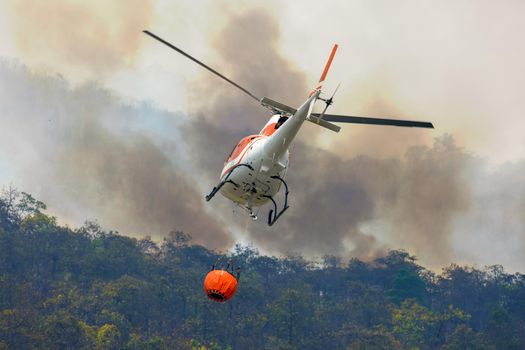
column 100, row 121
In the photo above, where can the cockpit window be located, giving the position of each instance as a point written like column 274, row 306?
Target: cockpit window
column 280, row 122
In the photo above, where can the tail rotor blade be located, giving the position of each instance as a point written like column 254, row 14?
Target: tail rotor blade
column 202, row 64
column 328, row 102
column 336, row 88
column 328, row 63
column 331, row 99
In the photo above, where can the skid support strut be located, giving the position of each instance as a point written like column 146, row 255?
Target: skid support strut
column 226, row 180
column 273, row 215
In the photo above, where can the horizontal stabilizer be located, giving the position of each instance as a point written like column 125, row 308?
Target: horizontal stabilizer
column 321, row 122
column 268, row 102
column 374, row 121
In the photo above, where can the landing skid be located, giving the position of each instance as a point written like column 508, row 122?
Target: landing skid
column 225, row 181
column 273, row 216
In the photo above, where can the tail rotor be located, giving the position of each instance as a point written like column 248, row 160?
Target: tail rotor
column 328, row 102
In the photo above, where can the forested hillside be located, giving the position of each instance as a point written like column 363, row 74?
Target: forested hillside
column 86, row 288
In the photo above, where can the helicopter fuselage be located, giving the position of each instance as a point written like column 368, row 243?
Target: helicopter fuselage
column 255, row 169
column 266, row 156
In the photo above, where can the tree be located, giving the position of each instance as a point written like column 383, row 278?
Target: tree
column 414, row 325
column 418, row 327
column 407, row 285
column 93, row 289
column 464, row 338
column 374, row 339
column 108, row 338
column 61, row 331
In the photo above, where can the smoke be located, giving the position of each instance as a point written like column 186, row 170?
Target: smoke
column 85, row 152
column 494, row 228
column 404, row 195
column 379, row 141
column 362, row 206
column 88, row 154
column 90, row 37
column 334, row 200
column 330, row 200
column 429, row 194
column 222, row 115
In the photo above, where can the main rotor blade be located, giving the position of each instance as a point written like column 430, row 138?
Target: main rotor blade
column 202, row 64
column 375, row 121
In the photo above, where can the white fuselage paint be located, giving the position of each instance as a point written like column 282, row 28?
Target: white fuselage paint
column 268, row 155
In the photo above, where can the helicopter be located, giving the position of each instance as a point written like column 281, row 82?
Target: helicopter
column 255, row 169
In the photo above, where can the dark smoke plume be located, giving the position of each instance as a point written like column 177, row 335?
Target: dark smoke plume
column 337, row 204
column 249, row 53
column 221, row 114
column 90, row 155
column 131, row 181
column 342, row 207
column 90, row 37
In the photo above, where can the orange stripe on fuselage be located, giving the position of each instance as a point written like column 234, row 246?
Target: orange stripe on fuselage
column 268, row 130
column 243, row 153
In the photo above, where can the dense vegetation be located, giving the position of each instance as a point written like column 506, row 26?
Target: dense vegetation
column 91, row 289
